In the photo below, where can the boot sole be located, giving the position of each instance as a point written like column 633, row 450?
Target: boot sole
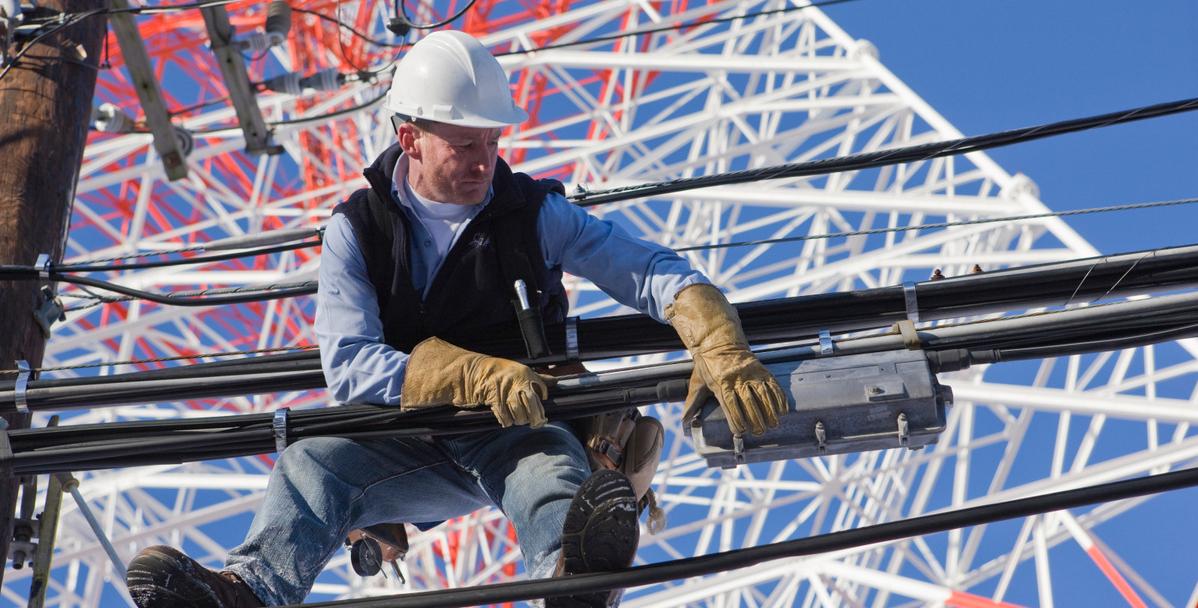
column 600, row 534
column 161, row 577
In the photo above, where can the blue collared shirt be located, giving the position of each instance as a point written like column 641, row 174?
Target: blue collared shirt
column 360, row 368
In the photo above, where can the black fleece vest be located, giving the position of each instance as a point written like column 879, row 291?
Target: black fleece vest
column 471, row 296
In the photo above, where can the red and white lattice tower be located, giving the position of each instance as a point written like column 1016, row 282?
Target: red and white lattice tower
column 710, row 96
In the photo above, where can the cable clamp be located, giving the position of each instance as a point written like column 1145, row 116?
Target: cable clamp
column 910, row 337
column 43, row 265
column 825, row 342
column 50, row 310
column 22, row 386
column 279, row 424
column 910, row 300
column 572, row 338
column 738, row 448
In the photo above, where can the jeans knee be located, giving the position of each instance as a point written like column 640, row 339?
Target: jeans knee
column 305, row 453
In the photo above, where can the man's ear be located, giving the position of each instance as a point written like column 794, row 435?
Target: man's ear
column 408, row 136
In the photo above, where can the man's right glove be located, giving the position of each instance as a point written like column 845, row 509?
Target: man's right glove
column 439, row 373
column 711, row 331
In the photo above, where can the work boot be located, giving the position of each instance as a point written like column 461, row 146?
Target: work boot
column 162, row 577
column 600, row 534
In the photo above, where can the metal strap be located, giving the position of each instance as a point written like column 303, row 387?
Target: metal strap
column 911, row 302
column 910, row 337
column 22, row 386
column 571, row 337
column 279, row 424
column 43, row 265
column 825, row 342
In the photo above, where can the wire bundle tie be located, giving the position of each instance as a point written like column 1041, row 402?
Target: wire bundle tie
column 825, row 342
column 279, row 424
column 572, row 338
column 43, row 266
column 906, row 328
column 22, row 386
column 911, row 301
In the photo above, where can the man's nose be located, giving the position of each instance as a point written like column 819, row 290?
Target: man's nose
column 483, row 163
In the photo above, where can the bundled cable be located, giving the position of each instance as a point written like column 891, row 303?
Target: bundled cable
column 765, row 322
column 948, row 348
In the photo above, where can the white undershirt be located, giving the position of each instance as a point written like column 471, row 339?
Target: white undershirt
column 443, row 221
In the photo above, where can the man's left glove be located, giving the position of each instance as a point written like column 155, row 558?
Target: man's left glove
column 439, row 373
column 745, row 389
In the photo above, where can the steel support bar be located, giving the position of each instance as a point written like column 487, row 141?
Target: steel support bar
column 72, row 485
column 137, row 61
column 46, row 539
column 237, row 81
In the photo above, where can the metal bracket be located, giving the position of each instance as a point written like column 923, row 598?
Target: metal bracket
column 22, row 386
column 237, row 82
column 825, row 342
column 43, row 266
column 911, row 301
column 50, row 310
column 279, row 424
column 738, row 449
column 137, row 61
column 572, row 338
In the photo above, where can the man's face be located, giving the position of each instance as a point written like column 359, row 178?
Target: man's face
column 449, row 163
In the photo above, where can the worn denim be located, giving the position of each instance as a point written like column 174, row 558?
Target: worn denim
column 323, row 487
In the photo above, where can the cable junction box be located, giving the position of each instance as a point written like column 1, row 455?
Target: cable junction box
column 837, row 405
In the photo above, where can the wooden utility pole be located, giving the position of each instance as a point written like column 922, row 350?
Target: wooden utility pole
column 45, row 105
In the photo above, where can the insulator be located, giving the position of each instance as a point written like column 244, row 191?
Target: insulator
column 864, row 48
column 278, row 19
column 110, row 119
column 324, row 80
column 288, row 83
column 185, row 139
column 256, row 42
column 1020, row 185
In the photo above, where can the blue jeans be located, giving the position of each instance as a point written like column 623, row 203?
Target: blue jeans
column 321, row 488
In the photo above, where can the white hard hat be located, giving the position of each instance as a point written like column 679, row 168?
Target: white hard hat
column 450, row 77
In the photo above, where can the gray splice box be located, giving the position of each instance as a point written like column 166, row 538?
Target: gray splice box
column 837, row 405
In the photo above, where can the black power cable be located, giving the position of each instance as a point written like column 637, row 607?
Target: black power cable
column 105, row 265
column 110, row 445
column 204, row 259
column 814, row 545
column 240, row 298
column 780, row 320
column 868, row 160
column 406, row 20
column 350, row 28
column 674, row 27
column 159, row 442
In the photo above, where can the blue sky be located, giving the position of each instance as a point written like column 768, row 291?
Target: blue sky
column 993, row 65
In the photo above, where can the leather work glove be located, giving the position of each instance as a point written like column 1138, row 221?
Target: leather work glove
column 711, row 331
column 440, row 373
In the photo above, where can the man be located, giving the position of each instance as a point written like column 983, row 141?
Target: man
column 416, row 263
